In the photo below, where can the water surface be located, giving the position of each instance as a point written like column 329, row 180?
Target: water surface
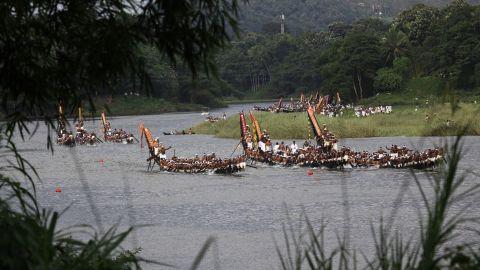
column 175, row 213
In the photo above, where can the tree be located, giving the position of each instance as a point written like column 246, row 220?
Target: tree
column 418, row 22
column 387, row 80
column 395, row 44
column 68, row 50
column 361, row 57
column 458, row 50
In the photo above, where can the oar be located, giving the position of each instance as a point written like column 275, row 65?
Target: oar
column 236, row 147
column 251, row 166
column 98, row 140
column 149, row 165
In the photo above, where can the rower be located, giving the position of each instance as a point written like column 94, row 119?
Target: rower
column 282, row 147
column 265, row 134
column 160, row 149
column 130, row 138
column 306, row 144
column 249, row 143
column 262, row 145
column 294, row 147
column 276, row 148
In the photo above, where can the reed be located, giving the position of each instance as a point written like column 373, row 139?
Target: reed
column 304, row 246
column 403, row 121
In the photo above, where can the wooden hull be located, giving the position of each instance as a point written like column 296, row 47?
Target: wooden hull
column 214, row 166
column 320, row 161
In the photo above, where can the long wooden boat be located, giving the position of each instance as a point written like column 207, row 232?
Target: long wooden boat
column 204, row 164
column 82, row 136
column 114, row 135
column 324, row 155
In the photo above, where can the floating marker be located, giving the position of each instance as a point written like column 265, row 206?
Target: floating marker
column 58, row 190
column 310, row 172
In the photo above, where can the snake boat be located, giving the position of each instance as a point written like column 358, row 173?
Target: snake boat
column 257, row 148
column 115, row 136
column 204, row 164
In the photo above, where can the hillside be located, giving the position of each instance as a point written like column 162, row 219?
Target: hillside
column 315, row 15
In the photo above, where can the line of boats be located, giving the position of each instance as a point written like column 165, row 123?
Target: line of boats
column 323, row 105
column 83, row 137
column 257, row 148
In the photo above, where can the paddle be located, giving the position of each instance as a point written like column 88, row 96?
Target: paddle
column 236, row 147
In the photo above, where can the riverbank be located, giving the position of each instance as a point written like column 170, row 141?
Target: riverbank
column 141, row 105
column 403, row 121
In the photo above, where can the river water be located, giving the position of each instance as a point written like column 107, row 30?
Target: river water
column 174, row 214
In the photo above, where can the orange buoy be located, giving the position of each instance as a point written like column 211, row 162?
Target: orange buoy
column 310, row 172
column 58, row 190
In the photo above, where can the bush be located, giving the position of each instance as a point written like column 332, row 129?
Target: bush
column 387, row 80
column 426, row 86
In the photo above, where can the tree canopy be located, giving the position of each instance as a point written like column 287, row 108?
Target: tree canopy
column 52, row 50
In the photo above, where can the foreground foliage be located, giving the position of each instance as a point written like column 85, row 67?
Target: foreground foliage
column 55, row 51
column 71, row 51
column 30, row 238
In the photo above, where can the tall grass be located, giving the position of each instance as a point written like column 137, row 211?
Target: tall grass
column 429, row 250
column 404, row 121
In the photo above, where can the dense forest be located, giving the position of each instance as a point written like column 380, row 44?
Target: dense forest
column 424, row 50
column 263, row 16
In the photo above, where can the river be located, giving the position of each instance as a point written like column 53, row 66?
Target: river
column 174, row 214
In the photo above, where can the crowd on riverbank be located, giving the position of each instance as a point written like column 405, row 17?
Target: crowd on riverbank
column 324, row 105
column 363, row 111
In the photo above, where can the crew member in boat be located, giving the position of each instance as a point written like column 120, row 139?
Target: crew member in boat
column 294, row 148
column 306, row 145
column 108, row 128
column 160, row 150
column 262, row 146
column 282, row 147
column 266, row 135
column 276, row 148
column 130, row 138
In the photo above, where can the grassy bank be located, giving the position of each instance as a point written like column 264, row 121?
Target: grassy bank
column 133, row 105
column 248, row 101
column 404, row 121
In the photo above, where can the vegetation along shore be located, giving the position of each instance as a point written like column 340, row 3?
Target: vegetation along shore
column 139, row 105
column 403, row 121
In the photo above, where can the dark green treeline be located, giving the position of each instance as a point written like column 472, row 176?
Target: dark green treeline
column 423, row 51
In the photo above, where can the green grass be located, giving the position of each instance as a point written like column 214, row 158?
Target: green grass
column 404, row 121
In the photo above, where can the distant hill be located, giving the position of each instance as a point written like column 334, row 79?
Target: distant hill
column 315, row 15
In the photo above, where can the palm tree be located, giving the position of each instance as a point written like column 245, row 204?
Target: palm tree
column 396, row 44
